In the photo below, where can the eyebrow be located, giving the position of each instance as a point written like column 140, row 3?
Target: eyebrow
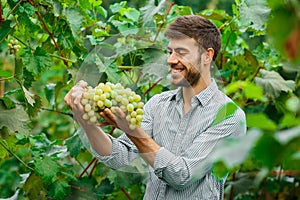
column 178, row 49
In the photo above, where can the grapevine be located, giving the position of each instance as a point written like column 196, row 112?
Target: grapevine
column 109, row 95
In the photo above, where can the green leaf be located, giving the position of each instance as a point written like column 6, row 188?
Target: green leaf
column 261, row 121
column 16, row 120
column 29, row 9
column 33, row 110
column 5, row 29
column 286, row 136
column 102, row 11
column 220, row 170
column 225, row 112
column 226, row 150
column 267, row 151
column 254, row 14
column 9, row 104
column 59, row 190
column 37, row 61
column 74, row 145
column 49, row 92
column 34, row 187
column 5, row 73
column 74, row 19
column 251, row 90
column 273, row 84
column 132, row 14
column 150, row 10
column 47, row 168
column 116, row 7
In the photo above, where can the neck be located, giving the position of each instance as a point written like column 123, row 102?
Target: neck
column 191, row 91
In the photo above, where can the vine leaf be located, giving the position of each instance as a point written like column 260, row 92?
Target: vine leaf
column 150, row 10
column 273, row 84
column 225, row 112
column 15, row 120
column 29, row 96
column 74, row 145
column 36, row 62
column 75, row 19
column 254, row 14
column 47, row 168
column 34, row 187
column 60, row 189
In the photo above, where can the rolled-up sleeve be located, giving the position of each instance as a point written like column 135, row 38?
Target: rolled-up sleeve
column 123, row 153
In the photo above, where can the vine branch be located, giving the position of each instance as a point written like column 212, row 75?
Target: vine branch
column 49, row 32
column 165, row 18
column 126, row 193
column 14, row 155
column 152, row 86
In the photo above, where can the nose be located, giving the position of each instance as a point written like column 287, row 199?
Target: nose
column 172, row 58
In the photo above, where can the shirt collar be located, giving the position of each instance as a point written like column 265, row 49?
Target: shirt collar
column 203, row 97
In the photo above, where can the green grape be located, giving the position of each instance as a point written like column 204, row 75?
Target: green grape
column 107, row 103
column 100, row 104
column 102, row 97
column 137, row 98
column 124, row 101
column 130, row 107
column 139, row 118
column 91, row 113
column 133, row 114
column 132, row 126
column 87, row 107
column 130, row 99
column 96, row 97
column 109, row 95
column 133, row 120
column 140, row 104
column 139, row 111
column 113, row 109
column 128, row 118
column 99, row 91
column 93, row 119
column 85, row 116
column 123, row 108
column 84, row 101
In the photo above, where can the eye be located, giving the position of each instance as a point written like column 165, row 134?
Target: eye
column 181, row 52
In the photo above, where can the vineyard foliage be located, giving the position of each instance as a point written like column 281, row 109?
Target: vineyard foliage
column 48, row 46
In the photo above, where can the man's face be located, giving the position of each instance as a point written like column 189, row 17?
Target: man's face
column 185, row 62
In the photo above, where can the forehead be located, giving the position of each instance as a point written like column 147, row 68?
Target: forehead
column 183, row 43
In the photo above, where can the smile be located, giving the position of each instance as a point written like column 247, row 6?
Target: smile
column 177, row 70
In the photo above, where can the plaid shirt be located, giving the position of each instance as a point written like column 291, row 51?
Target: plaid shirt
column 182, row 166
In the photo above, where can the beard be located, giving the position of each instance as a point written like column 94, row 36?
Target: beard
column 189, row 79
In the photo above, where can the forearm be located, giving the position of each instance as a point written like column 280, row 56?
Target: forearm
column 145, row 144
column 98, row 139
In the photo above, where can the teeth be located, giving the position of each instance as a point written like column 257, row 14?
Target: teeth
column 177, row 70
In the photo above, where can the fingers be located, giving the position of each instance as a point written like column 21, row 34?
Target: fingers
column 74, row 96
column 109, row 117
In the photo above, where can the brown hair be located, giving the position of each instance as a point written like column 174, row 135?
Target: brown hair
column 199, row 28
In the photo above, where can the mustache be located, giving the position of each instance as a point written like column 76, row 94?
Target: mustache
column 174, row 66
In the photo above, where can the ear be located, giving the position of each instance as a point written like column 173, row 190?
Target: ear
column 208, row 56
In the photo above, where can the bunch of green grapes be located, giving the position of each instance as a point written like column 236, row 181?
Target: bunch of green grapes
column 109, row 95
column 13, row 46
